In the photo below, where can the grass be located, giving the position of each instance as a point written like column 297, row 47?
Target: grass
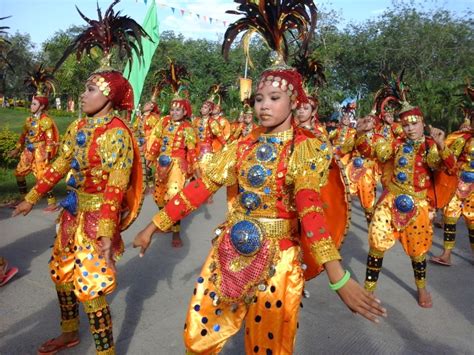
column 14, row 119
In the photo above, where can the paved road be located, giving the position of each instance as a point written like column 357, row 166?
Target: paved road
column 150, row 303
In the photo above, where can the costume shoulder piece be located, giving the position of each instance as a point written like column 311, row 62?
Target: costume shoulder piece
column 133, row 199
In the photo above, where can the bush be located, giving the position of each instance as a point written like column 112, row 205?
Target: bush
column 8, row 140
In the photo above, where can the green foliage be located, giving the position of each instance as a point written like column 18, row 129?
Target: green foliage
column 8, row 141
column 434, row 46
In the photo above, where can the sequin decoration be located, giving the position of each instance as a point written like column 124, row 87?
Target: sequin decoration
column 407, row 148
column 404, row 203
column 75, row 164
column 246, row 237
column 467, row 176
column 250, row 200
column 265, row 152
column 72, row 181
column 164, row 160
column 256, row 176
column 81, row 138
column 401, row 176
column 358, row 162
column 402, row 161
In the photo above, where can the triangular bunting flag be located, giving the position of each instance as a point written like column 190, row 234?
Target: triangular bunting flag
column 173, row 9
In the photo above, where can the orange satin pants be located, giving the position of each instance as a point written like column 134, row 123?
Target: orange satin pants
column 80, row 263
column 270, row 321
column 415, row 237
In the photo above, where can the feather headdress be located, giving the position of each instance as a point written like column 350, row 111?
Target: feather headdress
column 42, row 80
column 392, row 93
column 218, row 93
column 311, row 70
column 175, row 76
column 273, row 20
column 110, row 30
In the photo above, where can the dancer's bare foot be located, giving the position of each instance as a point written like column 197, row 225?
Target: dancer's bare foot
column 444, row 259
column 176, row 242
column 424, row 298
column 64, row 341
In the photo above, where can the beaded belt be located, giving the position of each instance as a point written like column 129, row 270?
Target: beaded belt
column 247, row 234
column 89, row 202
column 84, row 202
column 396, row 190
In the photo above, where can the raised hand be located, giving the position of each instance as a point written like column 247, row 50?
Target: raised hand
column 437, row 135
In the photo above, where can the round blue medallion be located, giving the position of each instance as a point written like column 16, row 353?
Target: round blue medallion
column 30, row 147
column 164, row 160
column 401, row 176
column 402, row 161
column 256, row 176
column 81, row 138
column 467, row 176
column 358, row 162
column 265, row 152
column 407, row 148
column 75, row 164
column 404, row 203
column 201, row 128
column 250, row 200
column 32, row 133
column 246, row 237
column 471, row 164
column 141, row 141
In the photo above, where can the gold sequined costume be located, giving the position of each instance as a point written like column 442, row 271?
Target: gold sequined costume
column 255, row 270
column 462, row 204
column 402, row 212
column 38, row 142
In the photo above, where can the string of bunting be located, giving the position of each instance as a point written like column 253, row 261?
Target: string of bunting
column 184, row 11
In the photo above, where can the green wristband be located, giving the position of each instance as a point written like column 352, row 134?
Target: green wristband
column 340, row 284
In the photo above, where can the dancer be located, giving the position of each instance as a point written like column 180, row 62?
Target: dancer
column 343, row 138
column 403, row 211
column 362, row 174
column 173, row 147
column 105, row 191
column 38, row 143
column 254, row 271
column 461, row 144
column 245, row 123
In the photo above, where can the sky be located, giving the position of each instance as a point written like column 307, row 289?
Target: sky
column 42, row 18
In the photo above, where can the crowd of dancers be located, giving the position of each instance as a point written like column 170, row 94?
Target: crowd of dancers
column 288, row 177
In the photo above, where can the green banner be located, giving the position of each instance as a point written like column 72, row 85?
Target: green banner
column 137, row 73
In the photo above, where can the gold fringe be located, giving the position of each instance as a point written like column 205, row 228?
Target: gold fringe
column 70, row 325
column 109, row 351
column 324, row 251
column 65, row 287
column 163, row 221
column 95, row 304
